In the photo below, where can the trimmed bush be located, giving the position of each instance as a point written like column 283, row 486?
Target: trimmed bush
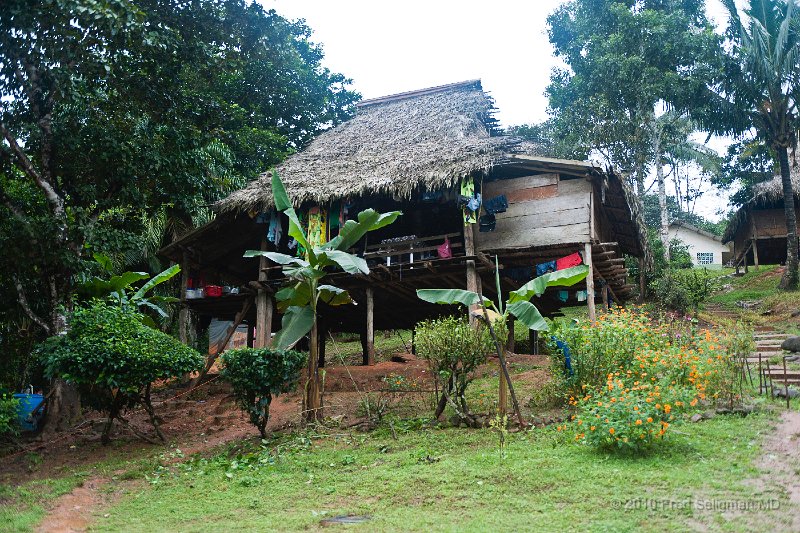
column 113, row 359
column 258, row 374
column 454, row 349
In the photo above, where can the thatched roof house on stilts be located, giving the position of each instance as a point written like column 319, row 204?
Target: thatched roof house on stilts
column 758, row 229
column 416, row 152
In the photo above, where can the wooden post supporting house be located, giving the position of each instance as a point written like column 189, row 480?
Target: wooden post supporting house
column 472, row 273
column 755, row 247
column 369, row 333
column 264, row 306
column 587, row 259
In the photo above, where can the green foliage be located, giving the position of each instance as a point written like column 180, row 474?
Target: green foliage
column 453, row 349
column 121, row 291
column 9, row 424
column 685, row 290
column 257, row 375
column 114, row 358
column 622, row 59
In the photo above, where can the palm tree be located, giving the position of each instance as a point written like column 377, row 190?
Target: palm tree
column 762, row 80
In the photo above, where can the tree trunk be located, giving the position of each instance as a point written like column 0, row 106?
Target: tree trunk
column 64, row 401
column 312, row 401
column 790, row 277
column 662, row 192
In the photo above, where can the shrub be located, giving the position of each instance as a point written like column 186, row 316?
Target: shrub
column 113, row 358
column 258, row 374
column 685, row 290
column 8, row 415
column 453, row 349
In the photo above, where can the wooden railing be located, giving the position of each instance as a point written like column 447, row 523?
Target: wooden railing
column 413, row 249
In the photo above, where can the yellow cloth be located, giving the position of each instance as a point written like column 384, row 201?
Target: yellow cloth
column 317, row 226
column 468, row 189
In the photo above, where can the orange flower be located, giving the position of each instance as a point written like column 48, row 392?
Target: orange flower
column 593, row 428
column 639, row 422
column 649, row 419
column 611, row 431
column 667, row 408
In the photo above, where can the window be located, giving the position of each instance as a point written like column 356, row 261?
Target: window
column 705, row 258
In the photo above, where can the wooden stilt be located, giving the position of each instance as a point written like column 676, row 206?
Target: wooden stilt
column 755, row 252
column 251, row 335
column 533, row 340
column 472, row 273
column 587, row 259
column 369, row 341
column 264, row 306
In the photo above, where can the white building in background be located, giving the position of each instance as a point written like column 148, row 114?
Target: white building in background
column 705, row 248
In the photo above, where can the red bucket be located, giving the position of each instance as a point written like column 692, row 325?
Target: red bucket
column 213, row 291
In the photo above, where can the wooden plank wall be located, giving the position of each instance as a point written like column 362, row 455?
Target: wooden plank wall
column 542, row 211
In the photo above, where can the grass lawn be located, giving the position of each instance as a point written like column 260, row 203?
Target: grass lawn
column 452, row 480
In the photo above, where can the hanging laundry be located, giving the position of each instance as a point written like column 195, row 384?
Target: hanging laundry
column 522, row 274
column 317, row 223
column 544, row 268
column 262, row 218
column 581, row 296
column 474, row 204
column 468, row 190
column 275, row 231
column 569, row 261
column 334, row 218
column 292, row 244
column 563, row 295
column 495, row 205
column 487, row 223
column 443, row 250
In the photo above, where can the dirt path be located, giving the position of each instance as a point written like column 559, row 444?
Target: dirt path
column 780, row 463
column 74, row 511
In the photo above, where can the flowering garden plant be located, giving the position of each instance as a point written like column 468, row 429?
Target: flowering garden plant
column 652, row 375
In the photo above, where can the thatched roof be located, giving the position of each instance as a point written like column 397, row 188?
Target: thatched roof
column 765, row 194
column 395, row 144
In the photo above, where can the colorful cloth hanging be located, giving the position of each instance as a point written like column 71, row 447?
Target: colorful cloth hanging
column 317, row 224
column 569, row 261
column 544, row 268
column 275, row 231
column 468, row 190
column 495, row 205
column 563, row 296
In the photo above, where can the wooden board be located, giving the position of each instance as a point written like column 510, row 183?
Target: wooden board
column 564, row 218
column 493, row 188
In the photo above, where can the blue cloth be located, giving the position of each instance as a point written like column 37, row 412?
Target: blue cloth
column 567, row 355
column 544, row 268
column 275, row 229
column 495, row 205
column 474, row 203
column 563, row 296
column 518, row 273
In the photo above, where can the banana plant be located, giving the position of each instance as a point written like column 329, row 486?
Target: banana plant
column 518, row 305
column 121, row 291
column 300, row 298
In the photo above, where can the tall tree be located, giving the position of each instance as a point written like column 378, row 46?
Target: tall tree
column 626, row 62
column 114, row 110
column 759, row 90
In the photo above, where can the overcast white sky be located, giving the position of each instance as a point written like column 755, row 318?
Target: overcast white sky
column 391, row 47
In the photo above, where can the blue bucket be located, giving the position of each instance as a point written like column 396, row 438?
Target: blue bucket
column 28, row 403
